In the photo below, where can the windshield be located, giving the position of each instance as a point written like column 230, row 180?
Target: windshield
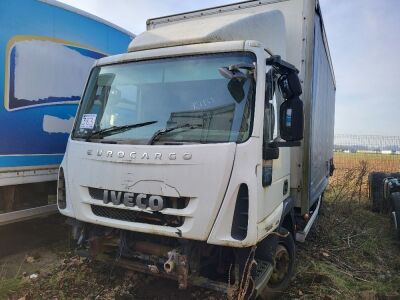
column 174, row 100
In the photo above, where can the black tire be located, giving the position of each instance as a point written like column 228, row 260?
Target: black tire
column 283, row 269
column 375, row 183
column 395, row 201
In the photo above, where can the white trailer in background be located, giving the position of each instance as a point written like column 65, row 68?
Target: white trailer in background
column 196, row 150
column 47, row 50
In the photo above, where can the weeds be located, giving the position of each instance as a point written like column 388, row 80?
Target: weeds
column 351, row 184
column 9, row 286
column 351, row 253
column 348, row 253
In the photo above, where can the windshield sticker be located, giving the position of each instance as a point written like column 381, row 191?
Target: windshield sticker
column 88, row 121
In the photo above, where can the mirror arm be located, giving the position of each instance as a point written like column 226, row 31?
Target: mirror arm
column 283, row 66
column 285, row 144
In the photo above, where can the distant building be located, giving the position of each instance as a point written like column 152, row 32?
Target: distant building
column 367, row 144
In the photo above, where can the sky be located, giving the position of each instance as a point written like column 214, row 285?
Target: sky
column 364, row 40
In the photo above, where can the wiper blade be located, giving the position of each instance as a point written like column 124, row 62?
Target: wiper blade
column 163, row 131
column 117, row 129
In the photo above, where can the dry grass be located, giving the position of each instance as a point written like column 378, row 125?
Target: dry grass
column 351, row 253
column 375, row 162
column 350, row 180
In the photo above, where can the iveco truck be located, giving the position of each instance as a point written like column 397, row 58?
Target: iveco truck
column 202, row 154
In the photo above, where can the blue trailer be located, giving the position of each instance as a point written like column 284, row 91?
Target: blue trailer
column 47, row 49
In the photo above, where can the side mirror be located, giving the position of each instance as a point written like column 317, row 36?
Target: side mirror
column 235, row 87
column 291, row 121
column 237, row 79
column 270, row 151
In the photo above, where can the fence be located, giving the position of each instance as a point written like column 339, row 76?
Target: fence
column 380, row 153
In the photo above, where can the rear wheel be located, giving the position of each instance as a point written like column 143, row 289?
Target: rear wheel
column 395, row 201
column 375, row 183
column 376, row 194
column 284, row 260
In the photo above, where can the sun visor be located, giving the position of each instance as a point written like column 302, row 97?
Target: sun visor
column 267, row 28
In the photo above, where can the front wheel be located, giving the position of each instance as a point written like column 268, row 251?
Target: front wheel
column 284, row 262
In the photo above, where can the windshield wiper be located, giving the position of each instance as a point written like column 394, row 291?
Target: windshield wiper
column 163, row 131
column 117, row 129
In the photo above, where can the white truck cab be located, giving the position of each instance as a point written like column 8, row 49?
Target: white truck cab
column 193, row 154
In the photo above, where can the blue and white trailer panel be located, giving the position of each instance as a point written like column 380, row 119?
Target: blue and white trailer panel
column 47, row 50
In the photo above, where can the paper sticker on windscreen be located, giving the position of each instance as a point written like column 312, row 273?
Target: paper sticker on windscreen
column 88, row 121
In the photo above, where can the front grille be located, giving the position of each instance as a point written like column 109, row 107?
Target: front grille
column 169, row 202
column 154, row 218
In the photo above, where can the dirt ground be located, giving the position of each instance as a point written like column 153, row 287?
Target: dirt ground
column 37, row 261
column 20, row 237
column 351, row 253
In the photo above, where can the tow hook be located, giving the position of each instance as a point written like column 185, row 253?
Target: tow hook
column 178, row 263
column 169, row 265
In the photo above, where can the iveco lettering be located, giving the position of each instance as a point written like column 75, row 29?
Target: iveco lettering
column 202, row 154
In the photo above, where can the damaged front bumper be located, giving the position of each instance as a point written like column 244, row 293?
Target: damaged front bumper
column 190, row 263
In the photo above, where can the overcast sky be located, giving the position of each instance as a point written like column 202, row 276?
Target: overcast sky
column 364, row 39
